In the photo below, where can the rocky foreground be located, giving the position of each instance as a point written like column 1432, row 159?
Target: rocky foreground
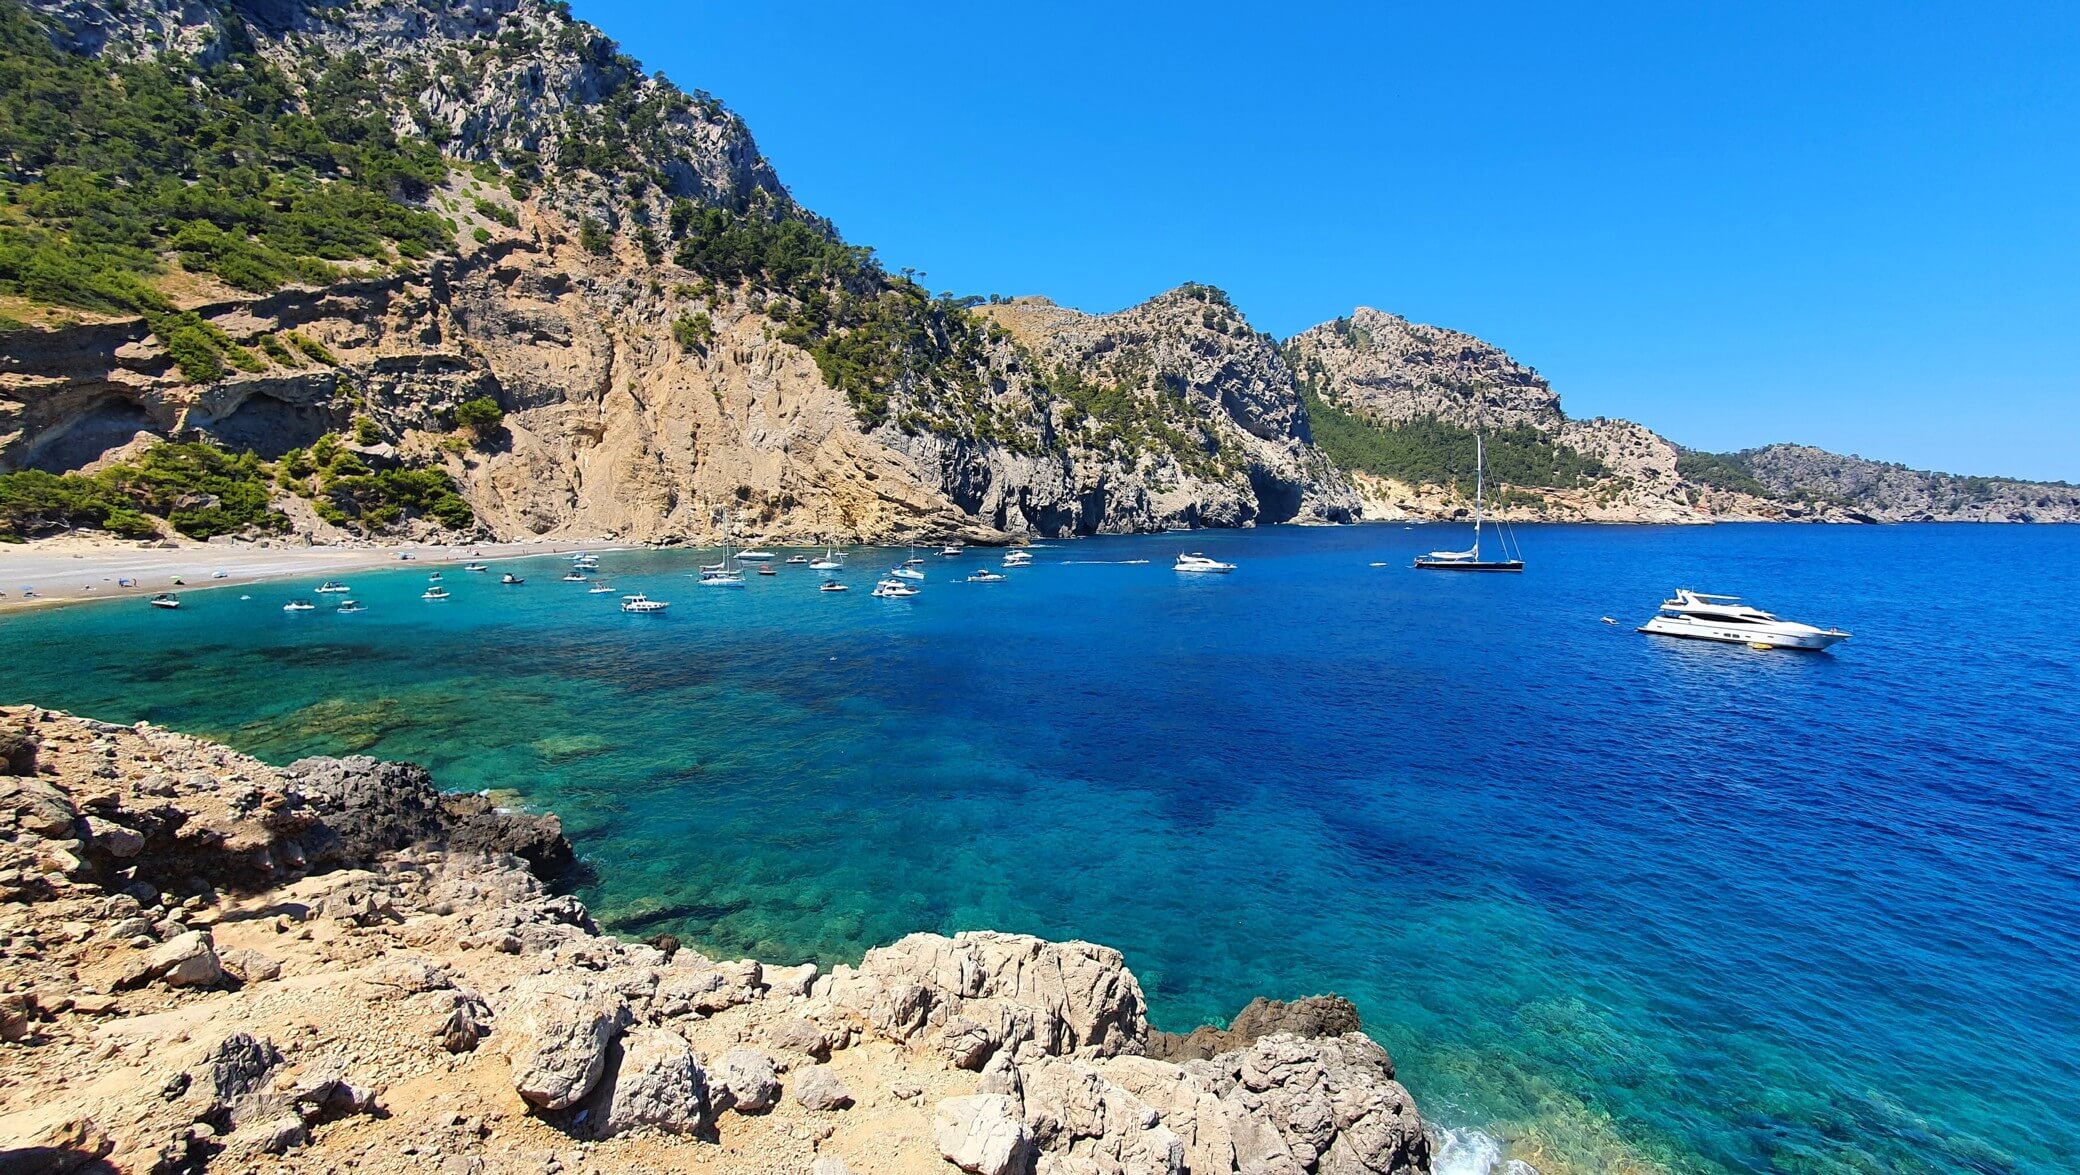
column 207, row 963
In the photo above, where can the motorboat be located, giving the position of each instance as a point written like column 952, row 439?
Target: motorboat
column 829, row 561
column 797, row 559
column 299, row 606
column 511, row 580
column 642, row 604
column 434, row 577
column 754, row 556
column 951, row 549
column 476, row 567
column 1470, row 559
column 165, row 600
column 573, row 576
column 434, row 593
column 766, row 569
column 894, row 589
column 349, row 607
column 832, row 585
column 910, row 573
column 1018, row 558
column 1198, row 564
column 985, row 575
column 1707, row 617
column 330, row 586
column 600, row 589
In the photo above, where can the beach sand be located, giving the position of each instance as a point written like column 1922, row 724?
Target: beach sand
column 70, row 570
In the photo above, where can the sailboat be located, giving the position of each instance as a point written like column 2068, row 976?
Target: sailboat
column 723, row 574
column 1470, row 559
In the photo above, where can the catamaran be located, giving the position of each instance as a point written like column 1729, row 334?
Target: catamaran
column 1470, row 559
column 1707, row 617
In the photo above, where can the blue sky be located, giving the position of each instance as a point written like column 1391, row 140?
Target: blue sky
column 1852, row 225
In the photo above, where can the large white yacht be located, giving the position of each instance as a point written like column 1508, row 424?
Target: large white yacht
column 1706, row 617
column 1200, row 564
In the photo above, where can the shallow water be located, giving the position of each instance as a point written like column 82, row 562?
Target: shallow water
column 1625, row 902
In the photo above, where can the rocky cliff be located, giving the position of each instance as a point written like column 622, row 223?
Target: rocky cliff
column 668, row 335
column 215, row 965
column 1893, row 493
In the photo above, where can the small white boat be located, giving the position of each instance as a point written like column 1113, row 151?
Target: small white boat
column 476, row 567
column 511, row 580
column 833, row 585
column 331, row 585
column 434, row 577
column 434, row 593
column 573, row 577
column 985, row 576
column 951, row 549
column 1706, row 617
column 642, row 604
column 797, row 558
column 754, row 556
column 600, row 589
column 1018, row 558
column 894, row 589
column 350, row 607
column 299, row 606
column 1201, row 565
column 165, row 600
column 911, row 573
column 766, row 569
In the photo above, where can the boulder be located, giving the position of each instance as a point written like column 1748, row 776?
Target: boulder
column 817, row 1088
column 187, row 960
column 790, row 981
column 38, row 806
column 659, row 1083
column 250, row 966
column 983, row 1134
column 560, row 1029
column 1328, row 1105
column 1081, row 1120
column 745, row 1082
column 797, row 1035
column 997, row 991
column 116, row 840
column 18, row 745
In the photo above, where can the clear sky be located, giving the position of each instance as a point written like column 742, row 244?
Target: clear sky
column 1852, row 225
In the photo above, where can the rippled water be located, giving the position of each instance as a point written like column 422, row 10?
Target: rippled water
column 1625, row 903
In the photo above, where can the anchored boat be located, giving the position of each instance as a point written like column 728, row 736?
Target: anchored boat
column 1706, row 617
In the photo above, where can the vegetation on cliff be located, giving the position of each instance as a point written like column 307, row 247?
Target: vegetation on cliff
column 1428, row 450
column 106, row 168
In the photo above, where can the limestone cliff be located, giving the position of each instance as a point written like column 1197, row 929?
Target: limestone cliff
column 1893, row 493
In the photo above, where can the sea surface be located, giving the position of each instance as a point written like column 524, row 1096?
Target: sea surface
column 1615, row 902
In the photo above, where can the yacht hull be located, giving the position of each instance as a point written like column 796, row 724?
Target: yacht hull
column 1812, row 640
column 1469, row 564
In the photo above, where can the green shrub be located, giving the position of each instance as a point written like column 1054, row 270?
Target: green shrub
column 277, row 352
column 313, row 348
column 479, row 417
column 497, row 213
column 693, row 332
column 366, row 432
column 1431, row 451
column 594, row 239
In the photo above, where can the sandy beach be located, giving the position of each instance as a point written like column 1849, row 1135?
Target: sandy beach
column 72, row 570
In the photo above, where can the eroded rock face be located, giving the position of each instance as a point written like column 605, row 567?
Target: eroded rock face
column 983, row 1134
column 746, row 1079
column 1329, row 1106
column 1307, row 1018
column 659, row 1083
column 980, row 991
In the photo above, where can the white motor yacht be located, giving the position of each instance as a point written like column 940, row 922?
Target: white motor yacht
column 165, row 600
column 331, row 585
column 951, row 549
column 349, row 607
column 754, row 556
column 475, row 567
column 299, row 606
column 894, row 589
column 832, row 585
column 1706, row 617
column 643, row 604
column 1018, row 558
column 1200, row 564
column 985, row 575
column 434, row 593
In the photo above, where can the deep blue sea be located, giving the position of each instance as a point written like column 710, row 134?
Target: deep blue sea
column 1623, row 903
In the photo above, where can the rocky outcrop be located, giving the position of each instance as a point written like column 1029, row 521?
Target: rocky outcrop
column 1394, row 370
column 346, row 1024
column 1882, row 492
column 1321, row 1015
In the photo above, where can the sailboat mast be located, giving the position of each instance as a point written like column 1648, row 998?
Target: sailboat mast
column 1480, row 473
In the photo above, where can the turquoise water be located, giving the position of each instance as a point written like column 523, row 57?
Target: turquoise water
column 1624, row 902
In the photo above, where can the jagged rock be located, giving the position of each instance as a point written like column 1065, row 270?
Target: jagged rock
column 114, row 839
column 983, row 1134
column 18, row 744
column 17, row 1011
column 659, row 1083
column 790, row 981
column 1080, row 1119
column 1187, row 1106
column 817, row 1088
column 559, row 1035
column 373, row 807
column 250, row 966
column 707, row 990
column 38, row 806
column 464, row 1026
column 1022, row 992
column 1329, row 1015
column 75, row 1144
column 1329, row 1106
column 747, row 1081
column 234, row 1081
column 322, row 1090
column 187, row 960
column 797, row 1035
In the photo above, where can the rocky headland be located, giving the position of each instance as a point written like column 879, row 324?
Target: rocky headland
column 213, row 964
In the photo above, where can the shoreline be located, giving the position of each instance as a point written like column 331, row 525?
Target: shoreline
column 75, row 571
